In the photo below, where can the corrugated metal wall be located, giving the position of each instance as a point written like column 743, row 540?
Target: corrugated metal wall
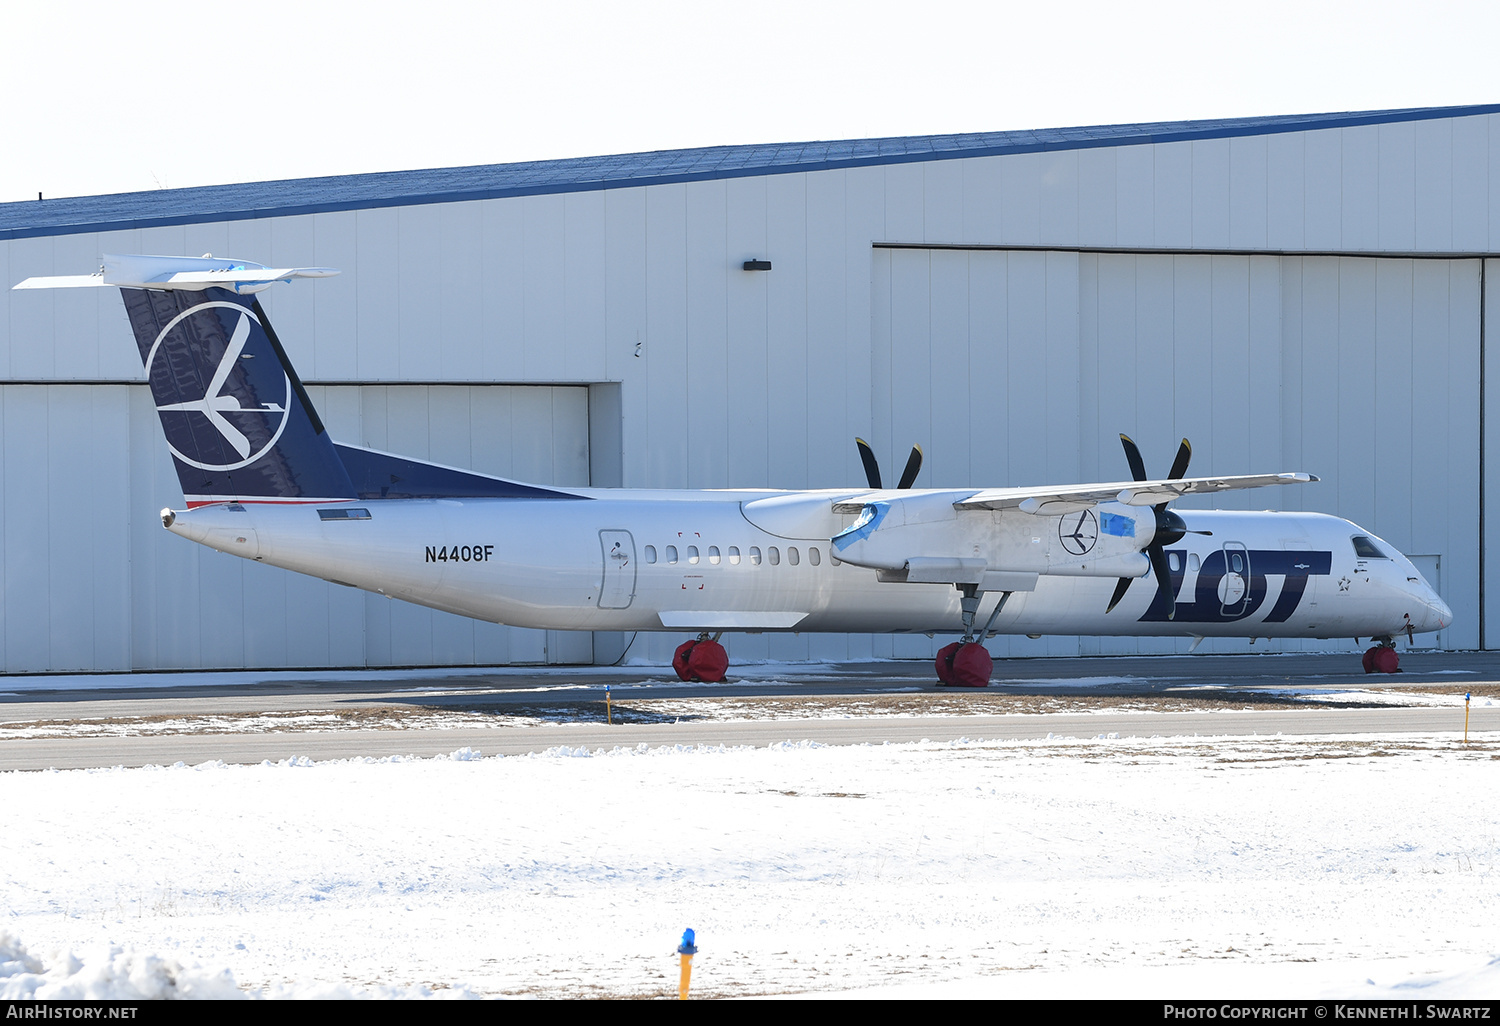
column 92, row 582
column 1021, row 367
column 1010, row 367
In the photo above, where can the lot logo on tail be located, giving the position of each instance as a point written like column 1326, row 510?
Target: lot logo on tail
column 245, row 404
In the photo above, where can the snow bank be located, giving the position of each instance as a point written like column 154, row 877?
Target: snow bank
column 1482, row 983
column 124, row 974
column 112, row 974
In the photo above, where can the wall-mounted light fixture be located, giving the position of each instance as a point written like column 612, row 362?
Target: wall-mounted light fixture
column 757, row 265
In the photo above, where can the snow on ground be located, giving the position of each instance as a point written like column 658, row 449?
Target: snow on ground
column 1360, row 696
column 1255, row 866
column 1068, row 682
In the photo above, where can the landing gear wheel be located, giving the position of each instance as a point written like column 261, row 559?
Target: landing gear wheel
column 701, row 659
column 708, row 662
column 971, row 666
column 944, row 662
column 1382, row 659
column 680, row 659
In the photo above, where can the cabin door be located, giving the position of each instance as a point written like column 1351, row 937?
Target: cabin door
column 618, row 588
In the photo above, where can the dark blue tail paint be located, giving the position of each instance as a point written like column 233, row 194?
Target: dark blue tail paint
column 240, row 424
column 236, row 418
column 380, row 475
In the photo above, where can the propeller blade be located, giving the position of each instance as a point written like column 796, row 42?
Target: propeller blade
column 913, row 467
column 1164, row 578
column 872, row 468
column 1121, row 587
column 1133, row 457
column 1180, row 464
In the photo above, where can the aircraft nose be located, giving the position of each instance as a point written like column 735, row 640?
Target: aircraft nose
column 1432, row 613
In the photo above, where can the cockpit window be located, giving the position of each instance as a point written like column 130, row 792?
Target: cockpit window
column 1364, row 548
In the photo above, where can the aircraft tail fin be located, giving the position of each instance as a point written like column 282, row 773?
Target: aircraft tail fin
column 236, row 417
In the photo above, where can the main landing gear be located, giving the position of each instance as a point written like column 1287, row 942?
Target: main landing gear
column 702, row 659
column 967, row 663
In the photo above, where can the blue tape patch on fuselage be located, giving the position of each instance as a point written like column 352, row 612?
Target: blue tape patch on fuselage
column 869, row 519
column 1117, row 525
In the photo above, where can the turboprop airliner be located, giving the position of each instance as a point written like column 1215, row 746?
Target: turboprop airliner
column 261, row 479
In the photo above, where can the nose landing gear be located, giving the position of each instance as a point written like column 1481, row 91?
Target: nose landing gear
column 1382, row 658
column 702, row 659
column 967, row 663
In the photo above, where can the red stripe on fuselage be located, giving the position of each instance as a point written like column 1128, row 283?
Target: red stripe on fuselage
column 195, row 503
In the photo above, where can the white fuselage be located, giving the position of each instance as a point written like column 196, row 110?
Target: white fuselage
column 627, row 560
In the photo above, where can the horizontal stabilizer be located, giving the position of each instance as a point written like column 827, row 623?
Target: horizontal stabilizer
column 192, row 274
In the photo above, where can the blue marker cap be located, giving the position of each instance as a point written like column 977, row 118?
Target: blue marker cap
column 687, row 947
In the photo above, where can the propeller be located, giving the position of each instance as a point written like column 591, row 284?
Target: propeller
column 1170, row 527
column 872, row 466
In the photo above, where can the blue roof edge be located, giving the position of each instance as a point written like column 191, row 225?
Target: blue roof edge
column 183, row 211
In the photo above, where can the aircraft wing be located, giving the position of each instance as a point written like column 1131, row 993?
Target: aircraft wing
column 1071, row 498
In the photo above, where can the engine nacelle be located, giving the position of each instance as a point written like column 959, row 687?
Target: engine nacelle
column 1103, row 540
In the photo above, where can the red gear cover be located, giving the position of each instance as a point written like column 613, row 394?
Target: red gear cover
column 1381, row 659
column 708, row 662
column 680, row 660
column 944, row 662
column 972, row 665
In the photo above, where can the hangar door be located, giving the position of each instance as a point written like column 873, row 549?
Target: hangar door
column 1018, row 367
column 92, row 582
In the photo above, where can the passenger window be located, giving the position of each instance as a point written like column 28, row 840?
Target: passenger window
column 1174, row 562
column 713, row 554
column 813, row 557
column 1364, row 548
column 1193, row 562
column 1236, row 563
column 651, row 553
column 692, row 553
column 833, row 560
column 791, row 555
column 755, row 555
column 671, row 553
column 773, row 555
column 734, row 555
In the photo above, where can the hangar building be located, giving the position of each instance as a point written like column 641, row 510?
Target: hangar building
column 1291, row 293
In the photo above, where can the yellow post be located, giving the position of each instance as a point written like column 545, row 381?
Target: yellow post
column 1466, row 716
column 687, row 949
column 608, row 716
